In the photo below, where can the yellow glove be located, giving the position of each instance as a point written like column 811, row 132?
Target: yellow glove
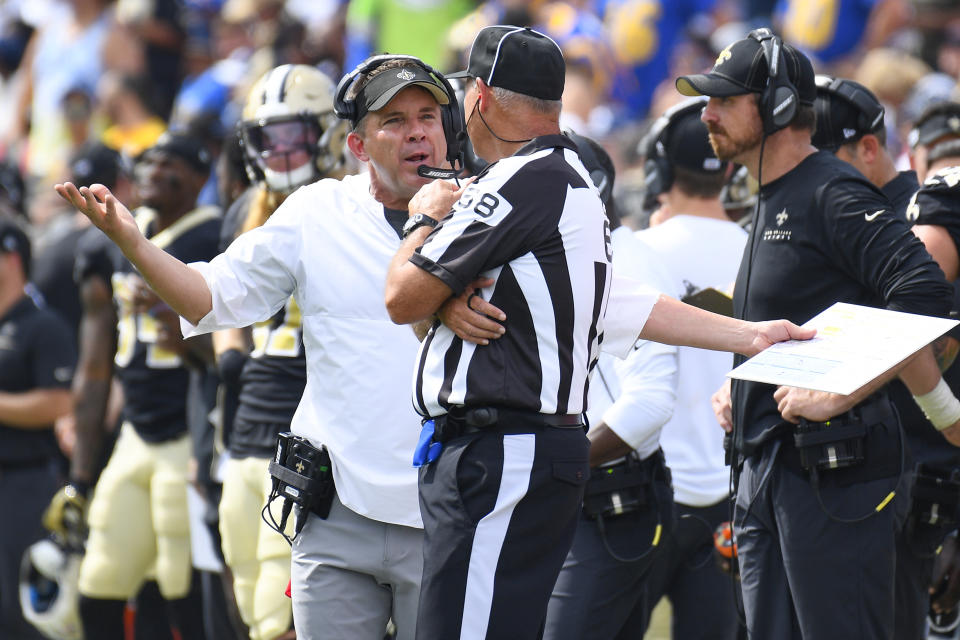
column 65, row 517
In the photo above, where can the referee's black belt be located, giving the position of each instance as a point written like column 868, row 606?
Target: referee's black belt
column 460, row 420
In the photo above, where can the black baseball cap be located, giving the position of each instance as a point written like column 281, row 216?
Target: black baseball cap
column 190, row 149
column 382, row 88
column 687, row 145
column 518, row 59
column 96, row 163
column 846, row 111
column 13, row 239
column 742, row 68
column 939, row 120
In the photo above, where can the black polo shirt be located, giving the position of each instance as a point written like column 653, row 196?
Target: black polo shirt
column 37, row 351
column 824, row 234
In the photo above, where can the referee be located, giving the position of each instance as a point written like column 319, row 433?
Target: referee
column 534, row 221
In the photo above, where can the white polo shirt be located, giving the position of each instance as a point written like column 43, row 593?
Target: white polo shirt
column 329, row 245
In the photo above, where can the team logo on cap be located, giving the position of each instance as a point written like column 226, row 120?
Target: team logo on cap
column 954, row 123
column 406, row 75
column 723, row 57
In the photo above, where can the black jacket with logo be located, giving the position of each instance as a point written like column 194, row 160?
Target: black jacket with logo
column 824, row 234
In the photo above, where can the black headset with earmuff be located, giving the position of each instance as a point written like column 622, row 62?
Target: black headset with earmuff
column 780, row 100
column 451, row 115
column 869, row 110
column 657, row 167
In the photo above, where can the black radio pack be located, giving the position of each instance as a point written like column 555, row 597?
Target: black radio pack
column 302, row 475
column 833, row 444
column 936, row 496
column 616, row 490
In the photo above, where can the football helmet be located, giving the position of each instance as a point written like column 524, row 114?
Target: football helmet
column 49, row 596
column 289, row 132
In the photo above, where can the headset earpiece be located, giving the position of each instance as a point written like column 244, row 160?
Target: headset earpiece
column 779, row 101
column 870, row 112
column 657, row 168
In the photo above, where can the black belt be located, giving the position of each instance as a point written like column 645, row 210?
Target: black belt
column 460, row 420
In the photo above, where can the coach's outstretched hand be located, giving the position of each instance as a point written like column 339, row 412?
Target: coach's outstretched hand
column 106, row 212
column 774, row 331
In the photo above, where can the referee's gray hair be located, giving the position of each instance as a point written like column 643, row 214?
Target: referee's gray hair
column 511, row 99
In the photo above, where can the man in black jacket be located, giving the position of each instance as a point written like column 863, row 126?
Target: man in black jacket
column 813, row 564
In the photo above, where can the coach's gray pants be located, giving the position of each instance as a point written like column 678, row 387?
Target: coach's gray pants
column 350, row 574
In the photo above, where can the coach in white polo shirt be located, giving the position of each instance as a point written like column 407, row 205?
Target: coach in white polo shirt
column 328, row 245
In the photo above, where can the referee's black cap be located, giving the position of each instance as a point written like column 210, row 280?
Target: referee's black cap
column 938, row 121
column 741, row 68
column 846, row 111
column 518, row 59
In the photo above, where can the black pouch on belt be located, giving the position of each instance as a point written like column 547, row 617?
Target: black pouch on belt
column 303, row 474
column 861, row 445
column 621, row 488
column 935, row 497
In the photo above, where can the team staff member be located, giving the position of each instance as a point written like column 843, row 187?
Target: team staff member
column 291, row 138
column 138, row 515
column 37, row 357
column 601, row 588
column 850, row 124
column 701, row 248
column 329, row 245
column 933, row 210
column 534, row 223
column 823, row 233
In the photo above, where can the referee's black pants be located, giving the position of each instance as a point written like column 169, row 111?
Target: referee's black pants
column 499, row 513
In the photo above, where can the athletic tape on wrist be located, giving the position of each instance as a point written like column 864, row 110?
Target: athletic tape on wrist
column 940, row 406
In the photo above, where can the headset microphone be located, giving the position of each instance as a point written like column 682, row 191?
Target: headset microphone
column 436, row 173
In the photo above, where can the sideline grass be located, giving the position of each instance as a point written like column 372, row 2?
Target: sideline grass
column 659, row 628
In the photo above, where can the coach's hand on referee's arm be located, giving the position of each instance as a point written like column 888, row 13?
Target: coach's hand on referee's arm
column 472, row 318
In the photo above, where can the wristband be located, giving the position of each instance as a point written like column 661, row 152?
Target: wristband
column 940, row 406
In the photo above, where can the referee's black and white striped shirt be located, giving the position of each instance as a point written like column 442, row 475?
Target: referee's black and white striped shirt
column 534, row 223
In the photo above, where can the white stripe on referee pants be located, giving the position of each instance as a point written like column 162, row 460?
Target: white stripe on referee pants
column 518, row 454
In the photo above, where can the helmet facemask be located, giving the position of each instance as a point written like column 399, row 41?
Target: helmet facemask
column 289, row 133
